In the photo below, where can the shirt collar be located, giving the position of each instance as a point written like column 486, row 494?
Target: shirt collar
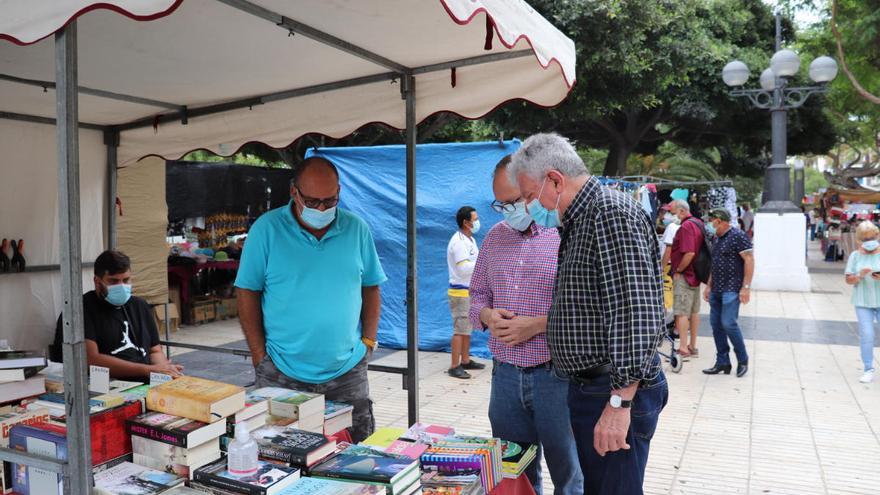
column 585, row 196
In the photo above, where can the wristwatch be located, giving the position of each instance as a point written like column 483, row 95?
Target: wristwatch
column 370, row 343
column 747, row 286
column 617, row 402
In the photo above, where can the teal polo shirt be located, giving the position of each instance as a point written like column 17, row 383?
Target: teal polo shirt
column 311, row 291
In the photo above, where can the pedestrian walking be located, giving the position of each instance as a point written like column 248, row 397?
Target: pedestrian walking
column 863, row 273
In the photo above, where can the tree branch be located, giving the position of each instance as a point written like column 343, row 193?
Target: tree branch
column 858, row 87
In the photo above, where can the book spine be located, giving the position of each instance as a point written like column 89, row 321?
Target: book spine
column 227, row 484
column 282, row 455
column 185, row 407
column 151, row 432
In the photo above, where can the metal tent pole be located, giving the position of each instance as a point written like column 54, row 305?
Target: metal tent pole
column 111, row 140
column 78, row 479
column 412, row 290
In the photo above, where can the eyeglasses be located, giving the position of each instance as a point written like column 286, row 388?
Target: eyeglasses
column 504, row 206
column 317, row 202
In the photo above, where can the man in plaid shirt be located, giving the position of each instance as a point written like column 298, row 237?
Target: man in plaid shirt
column 606, row 319
column 511, row 291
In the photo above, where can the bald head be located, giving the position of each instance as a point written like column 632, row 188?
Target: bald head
column 315, row 179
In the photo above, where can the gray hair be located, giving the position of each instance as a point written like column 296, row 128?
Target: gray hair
column 680, row 203
column 541, row 153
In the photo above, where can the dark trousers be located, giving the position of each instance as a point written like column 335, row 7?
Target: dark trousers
column 350, row 388
column 621, row 472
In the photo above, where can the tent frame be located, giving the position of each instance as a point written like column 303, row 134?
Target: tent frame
column 76, row 471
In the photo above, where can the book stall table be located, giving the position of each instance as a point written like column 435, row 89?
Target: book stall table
column 518, row 486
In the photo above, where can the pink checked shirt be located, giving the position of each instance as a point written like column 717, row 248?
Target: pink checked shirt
column 516, row 272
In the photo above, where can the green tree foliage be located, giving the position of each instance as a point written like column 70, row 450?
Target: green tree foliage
column 649, row 72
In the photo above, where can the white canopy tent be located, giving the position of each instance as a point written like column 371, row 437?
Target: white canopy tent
column 217, row 74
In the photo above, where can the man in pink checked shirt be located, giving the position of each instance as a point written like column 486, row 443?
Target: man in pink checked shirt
column 511, row 290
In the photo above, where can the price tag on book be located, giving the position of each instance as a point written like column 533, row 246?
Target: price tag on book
column 159, row 378
column 99, row 379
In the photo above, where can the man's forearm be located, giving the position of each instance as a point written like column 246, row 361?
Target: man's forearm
column 158, row 356
column 120, row 368
column 250, row 316
column 749, row 270
column 371, row 309
column 539, row 325
column 628, row 392
column 685, row 262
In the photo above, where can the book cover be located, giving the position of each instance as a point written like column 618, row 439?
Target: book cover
column 411, row 449
column 123, row 385
column 253, row 423
column 254, row 405
column 427, row 433
column 268, row 480
column 49, row 442
column 174, row 430
column 7, row 421
column 175, row 455
column 333, row 409
column 359, row 462
column 196, row 398
column 296, row 447
column 131, row 479
column 322, row 486
column 183, row 470
column 13, row 391
column 383, row 437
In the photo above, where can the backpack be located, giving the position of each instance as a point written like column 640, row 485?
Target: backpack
column 703, row 261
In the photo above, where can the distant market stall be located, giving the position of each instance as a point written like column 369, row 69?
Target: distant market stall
column 86, row 81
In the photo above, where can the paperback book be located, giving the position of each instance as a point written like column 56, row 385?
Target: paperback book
column 270, row 479
column 322, row 486
column 196, row 398
column 130, row 479
column 296, row 447
column 174, row 430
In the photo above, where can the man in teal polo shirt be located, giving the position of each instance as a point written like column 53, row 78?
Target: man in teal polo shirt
column 308, row 294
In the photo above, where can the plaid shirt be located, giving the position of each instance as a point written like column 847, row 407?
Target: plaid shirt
column 516, row 272
column 608, row 305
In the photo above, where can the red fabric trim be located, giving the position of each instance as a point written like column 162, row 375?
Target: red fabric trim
column 463, row 22
column 490, row 28
column 96, row 6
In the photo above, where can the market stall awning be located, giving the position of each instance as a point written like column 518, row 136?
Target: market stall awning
column 216, row 74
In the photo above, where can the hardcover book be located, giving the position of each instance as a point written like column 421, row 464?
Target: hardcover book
column 131, row 479
column 297, row 405
column 196, row 398
column 270, row 479
column 174, row 430
column 297, row 447
column 362, row 463
column 169, row 454
column 21, row 359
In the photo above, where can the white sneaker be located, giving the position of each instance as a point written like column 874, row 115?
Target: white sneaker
column 867, row 377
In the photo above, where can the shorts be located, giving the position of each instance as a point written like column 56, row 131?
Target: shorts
column 461, row 322
column 687, row 298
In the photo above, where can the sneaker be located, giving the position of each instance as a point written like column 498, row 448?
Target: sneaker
column 458, row 372
column 473, row 365
column 867, row 377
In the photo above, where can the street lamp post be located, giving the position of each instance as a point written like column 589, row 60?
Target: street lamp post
column 799, row 174
column 772, row 240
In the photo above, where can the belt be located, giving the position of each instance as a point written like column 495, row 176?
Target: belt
column 590, row 374
column 528, row 369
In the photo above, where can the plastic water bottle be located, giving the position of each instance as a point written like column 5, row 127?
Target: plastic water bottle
column 242, row 453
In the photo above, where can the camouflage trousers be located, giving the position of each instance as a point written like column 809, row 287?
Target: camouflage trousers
column 351, row 388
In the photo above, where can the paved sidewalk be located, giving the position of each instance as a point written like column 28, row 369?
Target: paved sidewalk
column 799, row 423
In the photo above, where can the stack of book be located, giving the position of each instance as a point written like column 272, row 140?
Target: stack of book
column 174, row 444
column 19, row 376
column 196, row 398
column 9, row 417
column 291, row 446
column 127, row 478
column 255, row 414
column 306, row 408
column 466, row 455
column 383, row 437
column 437, row 483
column 399, row 474
column 270, row 479
column 516, row 457
column 337, row 417
column 323, row 486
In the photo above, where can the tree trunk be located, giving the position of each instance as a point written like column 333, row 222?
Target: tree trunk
column 615, row 164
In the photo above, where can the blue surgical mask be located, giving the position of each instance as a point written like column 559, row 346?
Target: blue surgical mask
column 710, row 229
column 518, row 219
column 543, row 216
column 118, row 294
column 871, row 245
column 476, row 227
column 318, row 219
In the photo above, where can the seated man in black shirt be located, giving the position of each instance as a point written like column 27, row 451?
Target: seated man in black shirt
column 120, row 329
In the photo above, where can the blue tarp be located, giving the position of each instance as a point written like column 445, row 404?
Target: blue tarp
column 448, row 176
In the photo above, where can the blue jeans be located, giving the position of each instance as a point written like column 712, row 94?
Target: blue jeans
column 724, row 312
column 866, row 317
column 621, row 472
column 530, row 405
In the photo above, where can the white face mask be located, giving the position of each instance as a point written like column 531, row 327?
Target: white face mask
column 476, row 227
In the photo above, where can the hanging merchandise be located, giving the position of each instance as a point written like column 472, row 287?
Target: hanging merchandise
column 724, row 197
column 681, row 194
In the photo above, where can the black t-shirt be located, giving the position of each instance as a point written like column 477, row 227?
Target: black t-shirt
column 126, row 332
